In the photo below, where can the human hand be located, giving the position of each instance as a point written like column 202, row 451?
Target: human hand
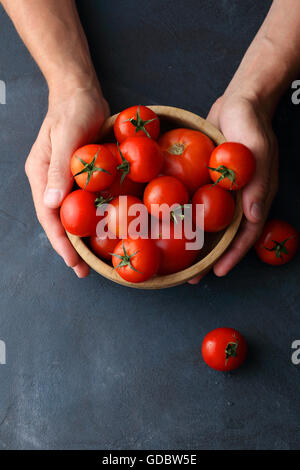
column 243, row 119
column 74, row 118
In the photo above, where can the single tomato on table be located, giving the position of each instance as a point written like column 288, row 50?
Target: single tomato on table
column 140, row 159
column 94, row 167
column 136, row 121
column 136, row 260
column 165, row 190
column 219, row 207
column 186, row 155
column 278, row 242
column 224, row 349
column 78, row 213
column 231, row 165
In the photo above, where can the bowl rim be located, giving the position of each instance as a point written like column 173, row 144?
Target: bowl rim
column 193, row 121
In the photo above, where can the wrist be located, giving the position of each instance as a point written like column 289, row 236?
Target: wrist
column 262, row 76
column 63, row 86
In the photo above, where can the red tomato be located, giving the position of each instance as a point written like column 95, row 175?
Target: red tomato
column 136, row 121
column 94, row 167
column 278, row 242
column 113, row 148
column 186, row 156
column 127, row 187
column 78, row 213
column 219, row 207
column 118, row 218
column 103, row 247
column 136, row 260
column 231, row 165
column 174, row 254
column 165, row 190
column 224, row 349
column 140, row 158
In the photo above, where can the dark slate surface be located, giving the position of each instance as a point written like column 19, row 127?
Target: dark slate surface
column 94, row 365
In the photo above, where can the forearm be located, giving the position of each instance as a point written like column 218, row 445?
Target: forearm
column 273, row 58
column 52, row 32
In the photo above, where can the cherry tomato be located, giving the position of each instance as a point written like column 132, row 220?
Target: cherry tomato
column 103, row 247
column 174, row 254
column 118, row 218
column 278, row 242
column 136, row 121
column 136, row 260
column 78, row 213
column 94, row 167
column 127, row 187
column 219, row 207
column 140, row 158
column 113, row 148
column 186, row 156
column 231, row 165
column 224, row 349
column 165, row 190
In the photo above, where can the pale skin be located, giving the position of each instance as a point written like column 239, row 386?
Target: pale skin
column 53, row 34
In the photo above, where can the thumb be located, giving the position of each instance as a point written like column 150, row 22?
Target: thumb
column 60, row 180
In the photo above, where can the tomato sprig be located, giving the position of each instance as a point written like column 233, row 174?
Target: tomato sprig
column 279, row 248
column 90, row 168
column 124, row 167
column 125, row 259
column 231, row 349
column 178, row 212
column 139, row 124
column 224, row 173
column 99, row 201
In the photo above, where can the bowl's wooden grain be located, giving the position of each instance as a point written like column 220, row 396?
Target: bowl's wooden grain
column 215, row 244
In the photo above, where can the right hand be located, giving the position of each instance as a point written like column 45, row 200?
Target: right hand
column 74, row 118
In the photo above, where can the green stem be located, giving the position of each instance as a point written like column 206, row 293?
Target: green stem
column 279, row 248
column 224, row 173
column 139, row 124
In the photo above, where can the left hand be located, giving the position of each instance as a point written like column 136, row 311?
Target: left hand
column 243, row 119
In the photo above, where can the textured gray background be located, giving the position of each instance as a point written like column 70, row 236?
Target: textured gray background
column 94, row 365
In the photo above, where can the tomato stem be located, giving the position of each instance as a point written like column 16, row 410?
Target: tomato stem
column 99, row 201
column 178, row 212
column 139, row 123
column 231, row 349
column 279, row 248
column 176, row 149
column 224, row 173
column 124, row 167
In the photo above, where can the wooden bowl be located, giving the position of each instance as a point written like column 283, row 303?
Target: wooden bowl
column 214, row 245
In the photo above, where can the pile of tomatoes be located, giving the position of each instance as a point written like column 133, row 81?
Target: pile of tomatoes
column 175, row 168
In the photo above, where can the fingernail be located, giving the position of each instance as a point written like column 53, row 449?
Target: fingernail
column 257, row 210
column 53, row 197
column 77, row 271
